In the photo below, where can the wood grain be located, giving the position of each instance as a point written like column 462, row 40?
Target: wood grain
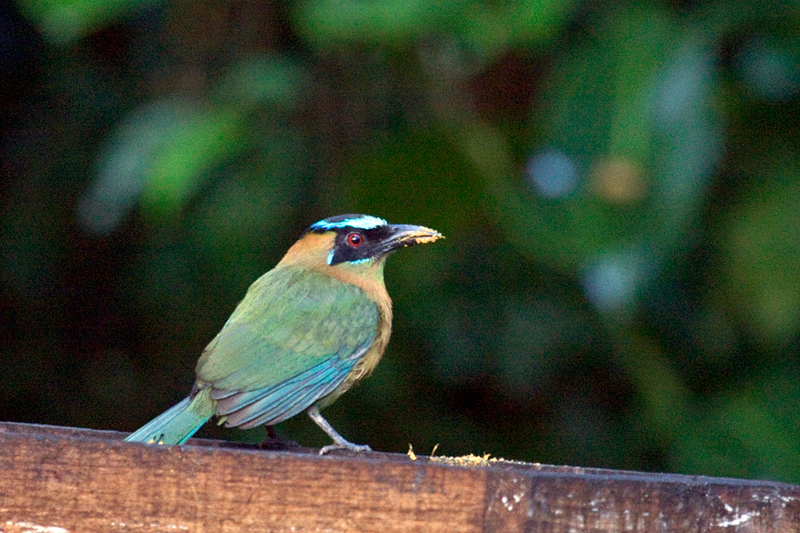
column 57, row 480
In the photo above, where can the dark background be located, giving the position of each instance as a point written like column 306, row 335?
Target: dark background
column 619, row 184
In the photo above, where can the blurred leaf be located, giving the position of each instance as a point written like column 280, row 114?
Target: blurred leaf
column 489, row 27
column 386, row 21
column 179, row 163
column 125, row 160
column 163, row 150
column 64, row 21
column 261, row 79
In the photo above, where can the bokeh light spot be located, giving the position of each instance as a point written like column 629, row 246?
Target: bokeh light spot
column 552, row 173
column 768, row 71
column 618, row 180
column 611, row 282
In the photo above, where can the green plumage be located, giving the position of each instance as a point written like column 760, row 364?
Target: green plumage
column 304, row 332
column 291, row 319
column 291, row 342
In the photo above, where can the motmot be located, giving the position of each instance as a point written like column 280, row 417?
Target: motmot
column 304, row 333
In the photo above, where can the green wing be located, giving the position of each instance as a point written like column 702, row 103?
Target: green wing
column 291, row 341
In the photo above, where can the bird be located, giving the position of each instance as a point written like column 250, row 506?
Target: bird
column 303, row 334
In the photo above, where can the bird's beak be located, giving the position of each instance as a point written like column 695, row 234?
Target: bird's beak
column 404, row 235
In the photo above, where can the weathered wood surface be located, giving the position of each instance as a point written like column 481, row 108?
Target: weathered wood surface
column 57, row 480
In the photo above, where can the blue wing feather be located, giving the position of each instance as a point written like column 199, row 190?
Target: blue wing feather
column 289, row 398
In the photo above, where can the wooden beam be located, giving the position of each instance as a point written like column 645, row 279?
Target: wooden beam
column 58, row 480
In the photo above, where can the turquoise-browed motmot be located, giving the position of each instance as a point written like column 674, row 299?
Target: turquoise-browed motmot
column 303, row 334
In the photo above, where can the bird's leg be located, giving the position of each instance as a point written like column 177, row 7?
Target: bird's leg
column 340, row 443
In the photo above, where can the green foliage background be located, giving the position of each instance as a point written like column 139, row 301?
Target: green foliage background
column 619, row 185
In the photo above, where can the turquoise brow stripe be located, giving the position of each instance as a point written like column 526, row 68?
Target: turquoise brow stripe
column 364, row 223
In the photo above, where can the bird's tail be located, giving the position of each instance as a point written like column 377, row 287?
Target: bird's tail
column 178, row 423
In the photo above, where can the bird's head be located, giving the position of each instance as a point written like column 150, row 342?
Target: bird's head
column 357, row 244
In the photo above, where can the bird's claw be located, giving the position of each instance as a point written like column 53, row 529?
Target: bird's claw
column 358, row 448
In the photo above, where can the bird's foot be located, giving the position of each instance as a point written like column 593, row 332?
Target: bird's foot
column 358, row 448
column 339, row 442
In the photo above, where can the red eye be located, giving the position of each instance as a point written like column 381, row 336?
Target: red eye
column 355, row 239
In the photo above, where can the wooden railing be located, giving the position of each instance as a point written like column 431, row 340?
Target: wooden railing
column 58, row 480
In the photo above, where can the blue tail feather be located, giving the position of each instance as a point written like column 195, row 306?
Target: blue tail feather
column 178, row 423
